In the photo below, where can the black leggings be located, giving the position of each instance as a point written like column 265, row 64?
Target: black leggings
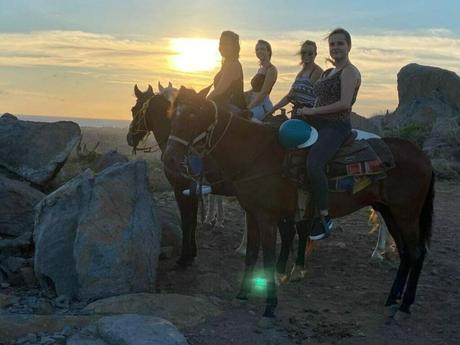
column 329, row 141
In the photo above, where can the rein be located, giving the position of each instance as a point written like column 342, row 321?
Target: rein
column 207, row 136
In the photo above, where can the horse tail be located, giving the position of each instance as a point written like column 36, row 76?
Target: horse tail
column 426, row 217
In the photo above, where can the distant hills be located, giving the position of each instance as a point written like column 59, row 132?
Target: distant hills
column 83, row 122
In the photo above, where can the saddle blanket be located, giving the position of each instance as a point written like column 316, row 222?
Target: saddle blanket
column 354, row 167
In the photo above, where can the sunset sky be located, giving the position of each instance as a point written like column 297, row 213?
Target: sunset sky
column 82, row 58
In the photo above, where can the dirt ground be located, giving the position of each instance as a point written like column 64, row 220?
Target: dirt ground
column 341, row 299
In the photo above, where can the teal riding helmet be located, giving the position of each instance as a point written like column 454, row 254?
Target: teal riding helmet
column 297, row 134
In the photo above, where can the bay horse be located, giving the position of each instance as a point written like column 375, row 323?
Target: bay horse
column 251, row 157
column 154, row 118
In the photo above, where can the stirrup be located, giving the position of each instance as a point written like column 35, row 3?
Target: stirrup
column 205, row 189
column 326, row 229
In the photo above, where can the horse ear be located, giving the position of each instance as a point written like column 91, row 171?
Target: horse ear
column 161, row 88
column 169, row 84
column 203, row 93
column 137, row 92
column 150, row 90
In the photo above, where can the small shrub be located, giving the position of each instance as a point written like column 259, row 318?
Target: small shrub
column 414, row 132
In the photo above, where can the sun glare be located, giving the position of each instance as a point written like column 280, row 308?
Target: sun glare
column 195, row 54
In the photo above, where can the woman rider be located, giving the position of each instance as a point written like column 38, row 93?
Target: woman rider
column 228, row 82
column 262, row 83
column 336, row 92
column 228, row 93
column 301, row 93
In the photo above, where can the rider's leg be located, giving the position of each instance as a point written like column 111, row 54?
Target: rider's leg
column 329, row 141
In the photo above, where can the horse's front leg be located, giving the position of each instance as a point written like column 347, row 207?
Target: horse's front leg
column 267, row 225
column 252, row 251
column 188, row 208
column 287, row 231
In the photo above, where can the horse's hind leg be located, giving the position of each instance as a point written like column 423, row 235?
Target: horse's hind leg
column 414, row 251
column 412, row 255
column 252, row 251
column 409, row 295
column 397, row 288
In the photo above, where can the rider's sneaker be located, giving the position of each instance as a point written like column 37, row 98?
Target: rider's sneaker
column 205, row 189
column 322, row 227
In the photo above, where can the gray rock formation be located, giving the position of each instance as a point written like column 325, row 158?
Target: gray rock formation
column 429, row 114
column 17, row 203
column 35, row 151
column 134, row 329
column 98, row 235
column 183, row 311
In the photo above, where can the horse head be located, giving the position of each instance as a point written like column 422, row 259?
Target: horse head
column 149, row 114
column 192, row 116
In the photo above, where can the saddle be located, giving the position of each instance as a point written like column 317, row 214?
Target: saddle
column 356, row 165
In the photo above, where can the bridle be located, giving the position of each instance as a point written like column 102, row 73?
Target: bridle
column 139, row 119
column 206, row 136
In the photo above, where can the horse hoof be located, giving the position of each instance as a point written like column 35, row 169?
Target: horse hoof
column 401, row 316
column 281, row 278
column 238, row 302
column 298, row 273
column 266, row 322
column 390, row 311
column 241, row 250
column 376, row 257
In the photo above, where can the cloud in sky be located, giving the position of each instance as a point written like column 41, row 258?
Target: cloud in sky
column 79, row 73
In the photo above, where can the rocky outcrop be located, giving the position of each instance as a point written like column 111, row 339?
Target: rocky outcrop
column 183, row 311
column 35, row 151
column 98, row 235
column 138, row 329
column 417, row 82
column 425, row 94
column 17, row 203
column 428, row 114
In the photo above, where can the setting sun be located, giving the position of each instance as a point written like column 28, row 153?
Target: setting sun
column 195, row 54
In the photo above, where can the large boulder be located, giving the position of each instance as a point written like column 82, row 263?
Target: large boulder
column 183, row 311
column 134, row 329
column 425, row 93
column 35, row 151
column 428, row 113
column 416, row 82
column 98, row 235
column 17, row 206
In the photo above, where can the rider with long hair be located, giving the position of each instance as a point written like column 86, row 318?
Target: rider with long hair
column 336, row 93
column 228, row 82
column 262, row 83
column 228, row 93
column 301, row 93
